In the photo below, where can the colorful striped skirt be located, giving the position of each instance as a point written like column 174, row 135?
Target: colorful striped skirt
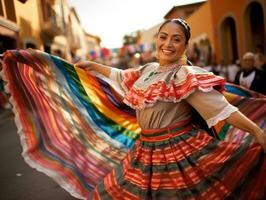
column 182, row 162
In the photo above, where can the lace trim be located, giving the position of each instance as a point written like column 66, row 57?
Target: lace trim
column 225, row 113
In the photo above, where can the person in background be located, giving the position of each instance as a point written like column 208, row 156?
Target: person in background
column 260, row 62
column 174, row 158
column 232, row 70
column 249, row 76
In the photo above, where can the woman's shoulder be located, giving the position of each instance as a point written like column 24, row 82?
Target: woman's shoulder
column 191, row 71
column 194, row 70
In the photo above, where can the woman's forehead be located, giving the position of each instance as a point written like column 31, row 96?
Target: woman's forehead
column 171, row 27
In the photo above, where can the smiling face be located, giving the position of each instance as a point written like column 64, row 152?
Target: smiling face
column 170, row 43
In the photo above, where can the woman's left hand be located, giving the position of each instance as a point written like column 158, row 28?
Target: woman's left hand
column 261, row 139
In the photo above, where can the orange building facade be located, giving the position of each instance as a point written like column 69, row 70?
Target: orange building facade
column 232, row 27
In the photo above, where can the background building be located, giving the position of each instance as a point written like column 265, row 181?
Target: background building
column 221, row 30
column 9, row 29
column 49, row 25
column 232, row 27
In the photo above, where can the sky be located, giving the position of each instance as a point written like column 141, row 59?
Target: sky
column 112, row 19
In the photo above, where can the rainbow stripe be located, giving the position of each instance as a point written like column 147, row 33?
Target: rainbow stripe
column 74, row 126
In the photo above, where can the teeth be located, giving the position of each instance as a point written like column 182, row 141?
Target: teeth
column 167, row 51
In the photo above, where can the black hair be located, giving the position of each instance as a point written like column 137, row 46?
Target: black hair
column 180, row 22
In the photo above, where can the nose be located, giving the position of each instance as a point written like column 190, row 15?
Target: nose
column 168, row 42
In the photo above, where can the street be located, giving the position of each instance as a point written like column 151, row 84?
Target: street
column 17, row 179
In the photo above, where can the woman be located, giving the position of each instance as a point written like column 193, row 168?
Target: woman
column 173, row 159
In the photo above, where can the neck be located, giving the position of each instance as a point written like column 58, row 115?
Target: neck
column 178, row 62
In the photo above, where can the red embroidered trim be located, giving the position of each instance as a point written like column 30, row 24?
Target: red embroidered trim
column 140, row 99
column 130, row 78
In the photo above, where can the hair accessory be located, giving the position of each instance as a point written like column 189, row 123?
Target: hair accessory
column 183, row 22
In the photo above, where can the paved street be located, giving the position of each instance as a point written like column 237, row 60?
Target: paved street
column 17, row 179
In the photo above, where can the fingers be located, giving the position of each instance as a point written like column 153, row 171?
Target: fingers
column 81, row 66
column 261, row 139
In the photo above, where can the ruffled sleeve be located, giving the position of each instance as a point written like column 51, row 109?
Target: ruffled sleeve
column 125, row 78
column 211, row 105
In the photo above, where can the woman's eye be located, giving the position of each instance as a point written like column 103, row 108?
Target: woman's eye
column 162, row 37
column 177, row 40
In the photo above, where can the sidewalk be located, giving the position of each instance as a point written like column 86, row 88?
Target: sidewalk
column 17, row 179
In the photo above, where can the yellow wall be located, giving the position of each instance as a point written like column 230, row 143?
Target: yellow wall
column 28, row 20
column 201, row 23
column 147, row 36
column 78, row 36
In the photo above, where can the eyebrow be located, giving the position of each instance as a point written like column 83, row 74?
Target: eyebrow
column 173, row 34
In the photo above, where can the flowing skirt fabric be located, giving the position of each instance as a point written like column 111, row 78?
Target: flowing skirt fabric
column 181, row 162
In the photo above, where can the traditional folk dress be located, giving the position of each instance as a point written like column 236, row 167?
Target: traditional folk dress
column 173, row 158
column 74, row 128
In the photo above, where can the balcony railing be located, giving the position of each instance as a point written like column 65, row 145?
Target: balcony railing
column 51, row 24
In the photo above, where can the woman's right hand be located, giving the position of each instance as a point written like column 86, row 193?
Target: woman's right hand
column 90, row 65
column 87, row 65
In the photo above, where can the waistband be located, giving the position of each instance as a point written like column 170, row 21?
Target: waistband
column 160, row 134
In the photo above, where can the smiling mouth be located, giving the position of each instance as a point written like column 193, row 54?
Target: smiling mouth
column 167, row 52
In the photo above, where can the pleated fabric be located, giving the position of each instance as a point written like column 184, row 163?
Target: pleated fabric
column 74, row 127
column 181, row 162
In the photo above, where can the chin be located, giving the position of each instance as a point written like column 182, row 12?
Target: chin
column 168, row 60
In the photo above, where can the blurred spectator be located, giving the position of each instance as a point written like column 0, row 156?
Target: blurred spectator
column 194, row 54
column 249, row 76
column 75, row 58
column 259, row 49
column 124, row 58
column 260, row 62
column 58, row 53
column 220, row 69
column 232, row 70
column 135, row 60
column 3, row 95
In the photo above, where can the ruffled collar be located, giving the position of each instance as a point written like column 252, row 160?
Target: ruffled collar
column 169, row 83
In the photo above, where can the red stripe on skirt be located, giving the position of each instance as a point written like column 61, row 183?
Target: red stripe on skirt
column 234, row 175
column 171, row 154
column 177, row 179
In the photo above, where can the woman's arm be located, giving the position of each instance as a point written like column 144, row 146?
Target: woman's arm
column 100, row 68
column 240, row 121
column 222, row 110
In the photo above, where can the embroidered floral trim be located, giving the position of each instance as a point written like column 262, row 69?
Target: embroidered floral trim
column 172, row 92
column 130, row 77
column 168, row 67
column 225, row 113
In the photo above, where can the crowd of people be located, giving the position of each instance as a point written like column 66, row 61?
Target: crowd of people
column 249, row 71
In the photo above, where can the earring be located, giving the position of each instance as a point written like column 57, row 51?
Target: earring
column 184, row 58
